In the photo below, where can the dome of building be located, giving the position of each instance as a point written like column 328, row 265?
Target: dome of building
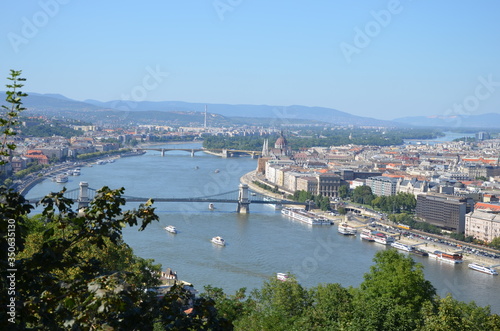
column 280, row 142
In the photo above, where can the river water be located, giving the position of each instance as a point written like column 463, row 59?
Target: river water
column 259, row 244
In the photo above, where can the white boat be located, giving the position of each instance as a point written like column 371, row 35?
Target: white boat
column 366, row 234
column 61, row 179
column 171, row 229
column 382, row 238
column 346, row 229
column 305, row 216
column 483, row 268
column 452, row 258
column 402, row 246
column 218, row 241
column 75, row 172
column 281, row 276
column 211, row 206
column 276, row 206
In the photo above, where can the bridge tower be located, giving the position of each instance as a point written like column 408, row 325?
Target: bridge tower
column 163, row 152
column 83, row 195
column 243, row 202
column 192, row 153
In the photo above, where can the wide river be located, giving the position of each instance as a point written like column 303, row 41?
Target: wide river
column 259, row 244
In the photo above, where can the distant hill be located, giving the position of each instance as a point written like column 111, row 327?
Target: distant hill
column 491, row 120
column 276, row 113
column 55, row 102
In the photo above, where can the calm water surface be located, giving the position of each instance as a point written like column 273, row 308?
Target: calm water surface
column 259, row 244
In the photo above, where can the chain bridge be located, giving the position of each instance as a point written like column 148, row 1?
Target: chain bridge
column 84, row 194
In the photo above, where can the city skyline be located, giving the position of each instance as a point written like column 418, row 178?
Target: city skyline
column 383, row 59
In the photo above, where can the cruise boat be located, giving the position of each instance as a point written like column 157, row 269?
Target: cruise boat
column 452, row 258
column 218, row 241
column 382, row 238
column 61, row 179
column 366, row 234
column 281, row 276
column 483, row 268
column 346, row 229
column 305, row 216
column 402, row 246
column 171, row 229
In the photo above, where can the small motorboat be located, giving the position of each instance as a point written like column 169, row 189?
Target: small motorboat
column 281, row 276
column 218, row 241
column 171, row 229
column 211, row 206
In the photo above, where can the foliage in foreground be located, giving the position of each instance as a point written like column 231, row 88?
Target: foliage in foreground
column 75, row 272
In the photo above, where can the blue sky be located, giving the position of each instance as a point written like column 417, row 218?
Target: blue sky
column 383, row 59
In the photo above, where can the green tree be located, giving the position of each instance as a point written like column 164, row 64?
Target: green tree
column 343, row 191
column 331, row 308
column 10, row 114
column 451, row 314
column 362, row 194
column 278, row 305
column 392, row 294
column 495, row 243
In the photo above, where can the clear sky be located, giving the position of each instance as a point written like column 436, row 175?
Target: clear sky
column 383, row 59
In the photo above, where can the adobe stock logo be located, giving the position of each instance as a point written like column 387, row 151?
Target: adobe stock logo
column 363, row 37
column 31, row 26
column 223, row 6
column 471, row 103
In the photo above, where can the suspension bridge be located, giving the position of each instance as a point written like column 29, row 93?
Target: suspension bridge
column 84, row 194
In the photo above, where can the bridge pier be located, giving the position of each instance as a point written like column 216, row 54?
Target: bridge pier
column 243, row 202
column 225, row 153
column 192, row 153
column 83, row 195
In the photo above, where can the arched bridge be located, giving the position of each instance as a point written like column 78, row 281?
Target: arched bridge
column 221, row 152
column 84, row 194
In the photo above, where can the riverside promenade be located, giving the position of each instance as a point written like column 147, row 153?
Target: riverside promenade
column 423, row 243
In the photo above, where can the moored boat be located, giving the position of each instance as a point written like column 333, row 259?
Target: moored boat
column 218, row 241
column 482, row 268
column 382, row 238
column 61, row 179
column 346, row 229
column 171, row 229
column 305, row 216
column 402, row 246
column 366, row 234
column 419, row 252
column 452, row 258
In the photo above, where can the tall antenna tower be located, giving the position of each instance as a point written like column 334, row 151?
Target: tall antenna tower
column 205, row 124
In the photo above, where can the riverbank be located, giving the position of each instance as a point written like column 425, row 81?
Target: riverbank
column 251, row 177
column 56, row 169
column 424, row 244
